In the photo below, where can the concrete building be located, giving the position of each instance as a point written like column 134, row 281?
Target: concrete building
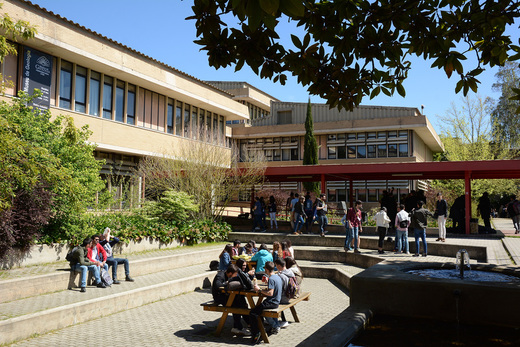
column 137, row 106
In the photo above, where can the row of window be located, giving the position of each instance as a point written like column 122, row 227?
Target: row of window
column 365, row 195
column 91, row 92
column 390, row 150
column 371, row 135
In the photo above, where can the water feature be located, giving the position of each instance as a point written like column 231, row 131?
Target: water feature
column 462, row 260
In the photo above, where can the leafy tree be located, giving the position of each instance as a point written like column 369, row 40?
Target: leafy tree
column 467, row 135
column 207, row 172
column 310, row 148
column 356, row 48
column 506, row 110
column 45, row 160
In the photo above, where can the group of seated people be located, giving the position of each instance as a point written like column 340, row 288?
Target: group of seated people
column 276, row 268
column 96, row 253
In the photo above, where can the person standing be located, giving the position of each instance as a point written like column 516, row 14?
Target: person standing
column 382, row 223
column 288, row 206
column 309, row 212
column 402, row 221
column 419, row 222
column 293, row 204
column 321, row 214
column 299, row 214
column 257, row 215
column 441, row 210
column 272, row 212
column 484, row 208
column 353, row 225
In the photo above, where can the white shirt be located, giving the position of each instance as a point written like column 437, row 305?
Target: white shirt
column 382, row 219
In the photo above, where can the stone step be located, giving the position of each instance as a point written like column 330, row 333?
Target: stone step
column 22, row 318
column 443, row 249
column 61, row 278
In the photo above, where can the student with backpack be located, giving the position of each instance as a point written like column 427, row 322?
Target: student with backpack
column 402, row 221
column 290, row 290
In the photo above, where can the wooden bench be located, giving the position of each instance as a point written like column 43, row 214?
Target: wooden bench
column 272, row 313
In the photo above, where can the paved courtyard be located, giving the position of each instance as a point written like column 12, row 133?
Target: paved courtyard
column 180, row 321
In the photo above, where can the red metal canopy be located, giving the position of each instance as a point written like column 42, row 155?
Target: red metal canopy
column 466, row 170
column 491, row 169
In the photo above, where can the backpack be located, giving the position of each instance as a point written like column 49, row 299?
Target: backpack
column 403, row 224
column 308, row 205
column 213, row 265
column 105, row 277
column 293, row 289
column 68, row 257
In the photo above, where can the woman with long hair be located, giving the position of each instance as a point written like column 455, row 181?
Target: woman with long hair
column 225, row 257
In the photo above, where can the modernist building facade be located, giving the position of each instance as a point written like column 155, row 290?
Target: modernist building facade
column 137, row 106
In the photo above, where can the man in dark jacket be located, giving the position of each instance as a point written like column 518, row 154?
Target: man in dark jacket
column 81, row 263
column 221, row 281
column 419, row 222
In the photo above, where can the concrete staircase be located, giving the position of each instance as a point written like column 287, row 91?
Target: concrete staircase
column 40, row 302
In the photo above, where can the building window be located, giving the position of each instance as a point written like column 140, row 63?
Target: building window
column 294, row 154
column 351, row 152
column 169, row 119
column 342, row 194
column 381, row 134
column 392, row 150
column 194, row 120
column 284, row 117
column 342, row 152
column 107, row 97
column 202, row 117
column 362, row 195
column 371, row 135
column 222, row 130
column 332, row 153
column 130, row 105
column 187, row 121
column 351, row 136
column 361, row 136
column 403, row 133
column 66, row 85
column 331, row 195
column 208, row 127
column 372, row 195
column 120, row 101
column 286, row 154
column 361, row 152
column 94, row 90
column 80, row 93
column 371, row 151
column 392, row 134
column 215, row 128
column 276, row 156
column 403, row 149
column 178, row 119
column 381, row 151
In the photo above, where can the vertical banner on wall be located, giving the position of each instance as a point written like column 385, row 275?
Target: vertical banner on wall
column 37, row 69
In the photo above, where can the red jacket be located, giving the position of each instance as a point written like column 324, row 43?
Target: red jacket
column 101, row 251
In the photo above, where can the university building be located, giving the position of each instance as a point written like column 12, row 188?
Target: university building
column 137, row 106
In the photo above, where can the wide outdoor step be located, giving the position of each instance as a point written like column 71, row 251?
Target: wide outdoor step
column 22, row 318
column 444, row 249
column 139, row 265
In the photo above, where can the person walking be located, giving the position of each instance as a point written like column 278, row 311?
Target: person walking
column 299, row 215
column 382, row 223
column 484, row 208
column 441, row 211
column 419, row 222
column 513, row 209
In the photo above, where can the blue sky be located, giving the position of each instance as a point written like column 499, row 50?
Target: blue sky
column 158, row 28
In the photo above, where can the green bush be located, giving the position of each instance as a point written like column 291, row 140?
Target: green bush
column 135, row 227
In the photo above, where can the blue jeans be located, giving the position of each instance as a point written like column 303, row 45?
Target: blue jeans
column 114, row 262
column 83, row 269
column 257, row 221
column 420, row 234
column 299, row 222
column 352, row 234
column 323, row 221
column 401, row 239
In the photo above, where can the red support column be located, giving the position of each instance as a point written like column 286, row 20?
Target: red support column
column 323, row 188
column 467, row 200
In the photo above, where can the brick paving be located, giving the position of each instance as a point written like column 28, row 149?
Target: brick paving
column 180, row 321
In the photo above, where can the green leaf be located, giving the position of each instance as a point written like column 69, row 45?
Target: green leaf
column 296, row 41
column 400, row 90
column 270, row 6
column 292, row 8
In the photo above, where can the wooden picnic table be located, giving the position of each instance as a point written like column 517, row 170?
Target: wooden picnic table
column 250, row 295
